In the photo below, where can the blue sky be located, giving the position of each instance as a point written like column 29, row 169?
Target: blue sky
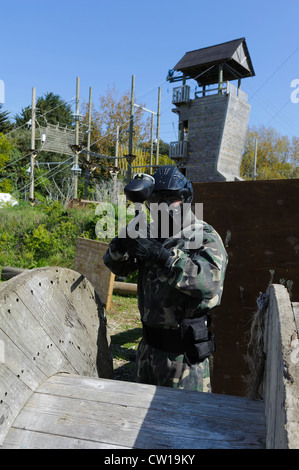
column 47, row 44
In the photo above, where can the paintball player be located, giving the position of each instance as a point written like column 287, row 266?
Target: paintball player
column 179, row 283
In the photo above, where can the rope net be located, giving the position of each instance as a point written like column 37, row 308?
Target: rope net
column 58, row 139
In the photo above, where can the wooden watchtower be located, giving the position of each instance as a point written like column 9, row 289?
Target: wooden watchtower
column 213, row 123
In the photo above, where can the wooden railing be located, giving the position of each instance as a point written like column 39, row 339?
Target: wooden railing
column 178, row 149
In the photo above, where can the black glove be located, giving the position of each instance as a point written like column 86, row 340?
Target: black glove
column 120, row 244
column 123, row 241
column 147, row 249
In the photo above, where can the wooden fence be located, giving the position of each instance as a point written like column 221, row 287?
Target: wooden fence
column 141, row 162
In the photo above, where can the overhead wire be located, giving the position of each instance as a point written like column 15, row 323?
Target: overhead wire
column 273, row 73
column 40, row 115
column 20, row 127
column 83, row 149
column 27, row 185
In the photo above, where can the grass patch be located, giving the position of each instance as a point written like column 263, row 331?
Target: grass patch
column 125, row 329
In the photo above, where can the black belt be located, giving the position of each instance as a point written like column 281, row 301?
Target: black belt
column 192, row 339
column 169, row 340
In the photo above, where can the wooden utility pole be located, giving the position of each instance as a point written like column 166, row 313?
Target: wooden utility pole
column 88, row 145
column 76, row 146
column 115, row 165
column 152, row 133
column 255, row 159
column 131, row 130
column 158, row 125
column 152, row 144
column 33, row 153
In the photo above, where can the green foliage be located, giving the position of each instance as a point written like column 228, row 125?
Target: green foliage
column 44, row 235
column 5, row 149
column 5, row 124
column 39, row 242
column 50, row 109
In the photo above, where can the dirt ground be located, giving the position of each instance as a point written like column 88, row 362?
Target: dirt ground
column 125, row 330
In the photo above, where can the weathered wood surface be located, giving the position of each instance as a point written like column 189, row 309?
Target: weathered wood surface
column 89, row 261
column 51, row 320
column 281, row 389
column 71, row 411
column 122, row 288
column 258, row 222
column 9, row 271
column 125, row 288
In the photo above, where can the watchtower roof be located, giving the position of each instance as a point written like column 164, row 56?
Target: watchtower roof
column 202, row 64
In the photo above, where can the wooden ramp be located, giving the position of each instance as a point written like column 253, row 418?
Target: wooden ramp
column 76, row 412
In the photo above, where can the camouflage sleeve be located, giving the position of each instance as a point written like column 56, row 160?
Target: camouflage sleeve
column 200, row 273
column 119, row 263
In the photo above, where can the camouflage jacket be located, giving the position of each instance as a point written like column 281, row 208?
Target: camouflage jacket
column 188, row 286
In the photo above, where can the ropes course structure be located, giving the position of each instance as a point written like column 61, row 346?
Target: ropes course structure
column 58, row 139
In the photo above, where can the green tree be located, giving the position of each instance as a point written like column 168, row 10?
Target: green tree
column 5, row 149
column 112, row 110
column 5, row 124
column 277, row 155
column 50, row 109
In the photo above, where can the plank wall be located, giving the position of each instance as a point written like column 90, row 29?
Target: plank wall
column 258, row 221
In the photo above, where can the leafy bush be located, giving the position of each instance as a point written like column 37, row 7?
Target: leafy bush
column 44, row 235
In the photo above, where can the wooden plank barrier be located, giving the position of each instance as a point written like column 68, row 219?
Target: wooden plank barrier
column 281, row 382
column 121, row 288
column 51, row 320
column 88, row 261
column 258, row 222
column 69, row 411
column 53, row 347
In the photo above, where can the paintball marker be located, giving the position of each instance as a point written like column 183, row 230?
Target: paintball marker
column 140, row 188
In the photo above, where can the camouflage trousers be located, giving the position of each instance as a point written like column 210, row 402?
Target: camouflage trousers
column 157, row 367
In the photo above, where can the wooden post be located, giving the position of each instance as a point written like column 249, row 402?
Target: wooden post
column 220, row 79
column 152, row 144
column 255, row 159
column 131, row 129
column 32, row 156
column 158, row 125
column 88, row 145
column 76, row 140
column 116, row 166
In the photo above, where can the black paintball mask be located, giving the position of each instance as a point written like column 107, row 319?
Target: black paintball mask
column 170, row 200
column 167, row 194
